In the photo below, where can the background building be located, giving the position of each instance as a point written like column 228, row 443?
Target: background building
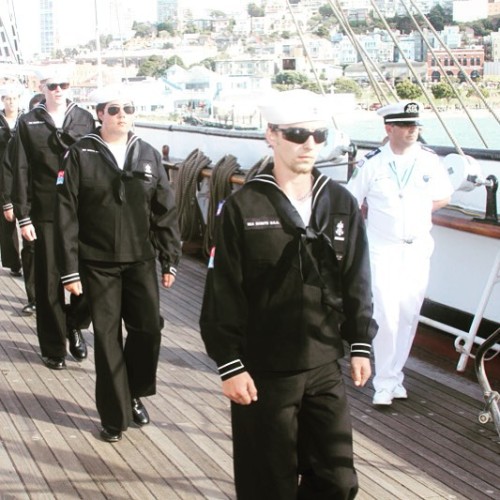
column 9, row 41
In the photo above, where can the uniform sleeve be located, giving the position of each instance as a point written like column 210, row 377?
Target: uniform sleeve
column 6, row 176
column 358, row 184
column 165, row 232
column 224, row 310
column 441, row 184
column 66, row 225
column 359, row 327
column 21, row 198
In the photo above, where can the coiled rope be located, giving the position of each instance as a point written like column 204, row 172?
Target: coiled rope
column 191, row 223
column 220, row 188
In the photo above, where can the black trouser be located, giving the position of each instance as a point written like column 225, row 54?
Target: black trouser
column 125, row 365
column 300, row 425
column 28, row 261
column 9, row 244
column 53, row 317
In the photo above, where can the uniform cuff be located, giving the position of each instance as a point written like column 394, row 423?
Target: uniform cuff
column 70, row 278
column 361, row 350
column 8, row 206
column 168, row 269
column 25, row 222
column 231, row 369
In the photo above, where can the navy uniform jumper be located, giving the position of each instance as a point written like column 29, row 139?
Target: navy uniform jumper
column 38, row 151
column 9, row 244
column 110, row 226
column 280, row 300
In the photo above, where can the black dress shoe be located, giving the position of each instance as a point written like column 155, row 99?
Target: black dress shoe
column 77, row 345
column 139, row 412
column 29, row 309
column 54, row 363
column 16, row 273
column 110, row 435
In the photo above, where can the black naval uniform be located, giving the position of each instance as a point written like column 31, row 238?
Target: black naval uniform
column 28, row 247
column 115, row 222
column 9, row 243
column 39, row 148
column 280, row 299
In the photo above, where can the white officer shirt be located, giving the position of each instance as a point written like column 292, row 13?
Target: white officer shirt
column 399, row 191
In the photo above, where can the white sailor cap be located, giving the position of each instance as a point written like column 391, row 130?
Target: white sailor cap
column 401, row 112
column 11, row 89
column 294, row 106
column 54, row 72
column 108, row 93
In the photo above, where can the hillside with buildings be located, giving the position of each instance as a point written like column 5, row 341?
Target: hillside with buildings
column 208, row 62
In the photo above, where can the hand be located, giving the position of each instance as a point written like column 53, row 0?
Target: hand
column 75, row 288
column 9, row 215
column 361, row 370
column 240, row 389
column 28, row 232
column 167, row 280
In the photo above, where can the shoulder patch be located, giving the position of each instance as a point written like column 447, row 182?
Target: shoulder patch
column 373, row 153
column 429, row 150
column 211, row 260
column 219, row 208
column 60, row 178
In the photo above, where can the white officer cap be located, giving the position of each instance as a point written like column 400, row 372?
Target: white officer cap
column 56, row 73
column 108, row 93
column 401, row 112
column 11, row 89
column 294, row 106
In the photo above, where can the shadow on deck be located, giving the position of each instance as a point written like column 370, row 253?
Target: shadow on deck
column 430, row 446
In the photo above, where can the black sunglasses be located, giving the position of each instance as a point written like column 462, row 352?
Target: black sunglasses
column 53, row 86
column 114, row 110
column 299, row 135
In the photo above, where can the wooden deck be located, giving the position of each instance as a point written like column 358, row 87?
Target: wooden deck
column 428, row 447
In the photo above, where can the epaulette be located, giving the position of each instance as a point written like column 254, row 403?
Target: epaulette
column 428, row 149
column 373, row 153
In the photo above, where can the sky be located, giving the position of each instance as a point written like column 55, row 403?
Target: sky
column 81, row 28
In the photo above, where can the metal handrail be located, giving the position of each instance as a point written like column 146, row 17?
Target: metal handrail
column 491, row 412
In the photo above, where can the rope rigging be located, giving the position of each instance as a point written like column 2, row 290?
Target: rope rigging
column 220, row 189
column 191, row 222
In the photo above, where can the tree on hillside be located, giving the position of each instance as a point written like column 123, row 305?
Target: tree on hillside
column 442, row 90
column 174, row 60
column 152, row 66
column 291, row 79
column 157, row 65
column 167, row 26
column 143, row 30
column 208, row 63
column 408, row 90
column 344, row 85
column 440, row 17
column 322, row 31
column 254, row 10
column 217, row 14
column 325, row 11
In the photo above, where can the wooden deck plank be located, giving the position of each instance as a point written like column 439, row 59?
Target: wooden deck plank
column 430, row 446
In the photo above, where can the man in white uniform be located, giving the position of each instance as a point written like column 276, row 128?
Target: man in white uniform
column 403, row 182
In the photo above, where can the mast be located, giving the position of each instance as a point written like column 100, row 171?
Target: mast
column 98, row 47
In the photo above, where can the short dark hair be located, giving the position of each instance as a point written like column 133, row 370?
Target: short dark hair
column 37, row 98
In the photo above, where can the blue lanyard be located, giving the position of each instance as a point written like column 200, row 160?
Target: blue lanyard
column 403, row 181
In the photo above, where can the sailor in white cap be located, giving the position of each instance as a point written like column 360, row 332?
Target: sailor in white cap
column 43, row 135
column 288, row 282
column 9, row 244
column 114, row 213
column 402, row 182
column 9, row 237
